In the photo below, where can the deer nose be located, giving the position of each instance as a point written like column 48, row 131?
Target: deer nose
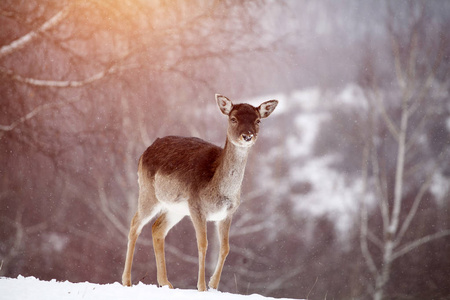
column 247, row 136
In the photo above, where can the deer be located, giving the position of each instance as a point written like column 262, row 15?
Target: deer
column 187, row 176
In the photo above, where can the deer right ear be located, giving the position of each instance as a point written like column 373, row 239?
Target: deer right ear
column 267, row 108
column 224, row 103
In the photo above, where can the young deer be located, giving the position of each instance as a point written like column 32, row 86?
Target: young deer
column 181, row 176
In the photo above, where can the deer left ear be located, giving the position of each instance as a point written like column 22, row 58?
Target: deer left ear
column 224, row 104
column 267, row 108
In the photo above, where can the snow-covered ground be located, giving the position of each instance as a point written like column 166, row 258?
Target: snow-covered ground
column 24, row 288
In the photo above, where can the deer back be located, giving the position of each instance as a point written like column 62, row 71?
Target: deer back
column 191, row 161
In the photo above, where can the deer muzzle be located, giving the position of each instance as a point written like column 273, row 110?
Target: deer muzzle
column 247, row 136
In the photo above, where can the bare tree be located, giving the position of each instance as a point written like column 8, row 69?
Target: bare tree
column 415, row 73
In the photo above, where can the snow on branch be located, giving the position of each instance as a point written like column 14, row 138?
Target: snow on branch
column 27, row 38
column 59, row 83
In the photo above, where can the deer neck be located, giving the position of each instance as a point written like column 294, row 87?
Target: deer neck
column 230, row 171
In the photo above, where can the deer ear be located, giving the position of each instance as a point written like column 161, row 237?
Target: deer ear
column 267, row 108
column 224, row 103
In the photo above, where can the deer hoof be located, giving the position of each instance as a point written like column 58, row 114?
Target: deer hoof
column 167, row 283
column 126, row 282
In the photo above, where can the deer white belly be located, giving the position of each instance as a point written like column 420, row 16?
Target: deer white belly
column 218, row 215
column 180, row 208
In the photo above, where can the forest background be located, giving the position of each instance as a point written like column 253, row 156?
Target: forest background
column 346, row 194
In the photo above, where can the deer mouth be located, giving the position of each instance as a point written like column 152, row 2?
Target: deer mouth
column 247, row 137
column 245, row 140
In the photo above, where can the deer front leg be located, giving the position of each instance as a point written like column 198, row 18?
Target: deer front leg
column 223, row 229
column 202, row 244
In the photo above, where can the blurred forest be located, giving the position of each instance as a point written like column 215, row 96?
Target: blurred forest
column 347, row 190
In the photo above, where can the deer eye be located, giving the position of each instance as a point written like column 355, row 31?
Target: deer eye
column 257, row 121
column 233, row 120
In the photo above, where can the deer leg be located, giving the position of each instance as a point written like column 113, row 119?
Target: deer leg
column 202, row 244
column 160, row 229
column 223, row 229
column 135, row 230
column 148, row 208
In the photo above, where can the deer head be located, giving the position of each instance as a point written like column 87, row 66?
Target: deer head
column 244, row 119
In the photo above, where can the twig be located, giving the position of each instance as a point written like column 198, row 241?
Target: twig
column 143, row 277
column 307, row 296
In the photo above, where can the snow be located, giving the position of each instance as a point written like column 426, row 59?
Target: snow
column 331, row 194
column 440, row 187
column 352, row 95
column 24, row 288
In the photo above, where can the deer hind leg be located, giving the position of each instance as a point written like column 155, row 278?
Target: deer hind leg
column 137, row 223
column 146, row 211
column 160, row 229
column 223, row 229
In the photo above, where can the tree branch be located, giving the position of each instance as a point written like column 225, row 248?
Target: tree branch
column 31, row 114
column 417, row 131
column 374, row 239
column 399, row 169
column 60, row 83
column 106, row 210
column 419, row 242
column 412, row 212
column 384, row 204
column 364, row 216
column 390, row 125
column 27, row 38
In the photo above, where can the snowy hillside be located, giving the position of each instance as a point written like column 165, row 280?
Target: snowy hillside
column 24, row 288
